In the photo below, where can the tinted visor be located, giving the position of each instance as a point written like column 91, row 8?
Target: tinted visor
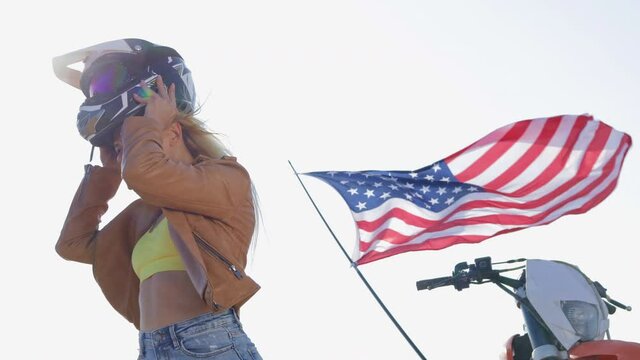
column 109, row 80
column 110, row 75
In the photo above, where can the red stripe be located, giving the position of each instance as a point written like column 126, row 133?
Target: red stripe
column 432, row 244
column 545, row 136
column 495, row 152
column 394, row 237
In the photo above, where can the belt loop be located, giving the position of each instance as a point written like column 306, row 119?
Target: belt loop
column 174, row 337
column 235, row 315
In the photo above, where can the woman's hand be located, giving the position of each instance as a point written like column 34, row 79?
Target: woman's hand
column 161, row 105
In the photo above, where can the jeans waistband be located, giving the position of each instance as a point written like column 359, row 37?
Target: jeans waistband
column 169, row 333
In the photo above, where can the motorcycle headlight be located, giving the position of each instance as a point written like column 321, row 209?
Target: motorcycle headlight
column 583, row 317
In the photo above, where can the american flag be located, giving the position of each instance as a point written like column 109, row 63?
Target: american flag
column 525, row 174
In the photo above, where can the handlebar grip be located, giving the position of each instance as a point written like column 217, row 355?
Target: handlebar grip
column 431, row 284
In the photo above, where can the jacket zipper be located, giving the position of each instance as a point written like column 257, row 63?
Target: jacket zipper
column 213, row 252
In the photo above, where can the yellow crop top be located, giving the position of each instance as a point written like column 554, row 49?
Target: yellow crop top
column 155, row 252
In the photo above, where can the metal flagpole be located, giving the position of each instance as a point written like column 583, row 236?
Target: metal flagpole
column 355, row 267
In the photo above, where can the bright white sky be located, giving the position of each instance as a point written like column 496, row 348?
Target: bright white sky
column 329, row 85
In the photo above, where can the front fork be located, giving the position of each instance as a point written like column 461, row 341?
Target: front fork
column 541, row 341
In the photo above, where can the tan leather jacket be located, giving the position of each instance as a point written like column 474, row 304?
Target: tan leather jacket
column 209, row 207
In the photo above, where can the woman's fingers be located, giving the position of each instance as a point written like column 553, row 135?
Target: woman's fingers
column 162, row 88
column 172, row 93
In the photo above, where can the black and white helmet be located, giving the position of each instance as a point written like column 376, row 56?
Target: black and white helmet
column 112, row 74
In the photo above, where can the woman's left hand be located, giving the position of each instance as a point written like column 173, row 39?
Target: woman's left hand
column 161, row 105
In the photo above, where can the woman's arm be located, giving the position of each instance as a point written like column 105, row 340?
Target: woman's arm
column 76, row 241
column 211, row 187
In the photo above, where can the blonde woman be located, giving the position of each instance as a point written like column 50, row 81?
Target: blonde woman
column 172, row 263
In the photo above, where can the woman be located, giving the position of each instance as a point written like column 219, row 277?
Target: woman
column 172, row 263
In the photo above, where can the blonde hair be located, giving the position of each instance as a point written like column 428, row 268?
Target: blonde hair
column 199, row 139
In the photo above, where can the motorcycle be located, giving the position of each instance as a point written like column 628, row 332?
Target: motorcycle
column 565, row 313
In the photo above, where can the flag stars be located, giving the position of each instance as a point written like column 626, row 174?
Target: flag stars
column 441, row 191
column 360, row 182
column 385, row 195
column 434, row 201
column 393, row 187
column 408, row 196
column 377, row 184
column 361, row 205
column 472, row 188
column 449, row 201
column 457, row 189
column 425, row 189
column 353, row 191
column 413, row 175
column 445, row 179
column 417, row 195
column 332, row 173
column 408, row 185
column 369, row 193
column 344, row 182
column 429, row 177
column 436, row 168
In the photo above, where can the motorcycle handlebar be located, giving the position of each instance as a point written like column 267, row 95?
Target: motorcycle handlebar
column 431, row 284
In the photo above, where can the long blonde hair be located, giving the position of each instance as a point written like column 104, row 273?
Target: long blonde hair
column 199, row 139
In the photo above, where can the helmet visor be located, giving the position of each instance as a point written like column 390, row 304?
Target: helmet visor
column 109, row 79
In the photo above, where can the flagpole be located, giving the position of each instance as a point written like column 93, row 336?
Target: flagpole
column 355, row 267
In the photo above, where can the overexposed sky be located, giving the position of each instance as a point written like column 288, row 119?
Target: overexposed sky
column 328, row 85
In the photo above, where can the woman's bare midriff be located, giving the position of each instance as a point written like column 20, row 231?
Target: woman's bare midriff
column 168, row 297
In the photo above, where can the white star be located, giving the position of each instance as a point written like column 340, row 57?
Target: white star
column 349, row 173
column 366, row 175
column 441, row 191
column 418, row 195
column 344, row 182
column 429, row 177
column 436, row 167
column 360, row 182
column 385, row 195
column 413, row 175
column 457, row 189
column 449, row 201
column 361, row 205
column 408, row 185
column 394, row 179
column 369, row 193
column 445, row 179
column 393, row 187
column 427, row 206
column 378, row 184
column 408, row 196
column 353, row 191
column 425, row 189
column 331, row 173
column 472, row 188
column 434, row 201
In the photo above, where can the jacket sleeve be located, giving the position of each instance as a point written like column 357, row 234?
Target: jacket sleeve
column 213, row 187
column 76, row 241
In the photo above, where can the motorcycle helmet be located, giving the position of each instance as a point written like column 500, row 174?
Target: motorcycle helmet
column 112, row 73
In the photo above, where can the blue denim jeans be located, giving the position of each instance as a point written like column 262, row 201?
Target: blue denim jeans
column 208, row 336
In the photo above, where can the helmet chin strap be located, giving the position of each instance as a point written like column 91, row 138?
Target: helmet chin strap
column 91, row 155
